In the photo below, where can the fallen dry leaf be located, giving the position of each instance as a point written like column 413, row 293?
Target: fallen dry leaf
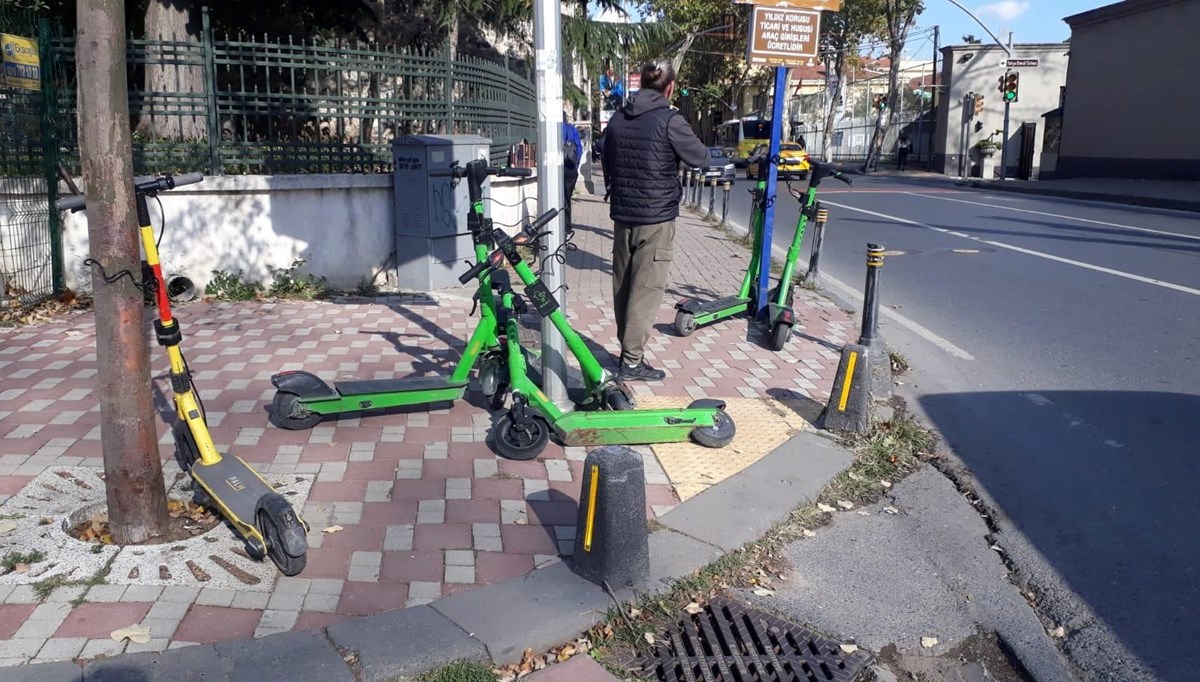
column 891, row 510
column 997, row 548
column 649, row 637
column 1058, row 632
column 809, row 534
column 634, row 613
column 855, row 477
column 886, row 484
column 21, row 568
column 333, row 529
column 7, row 527
column 764, row 592
column 863, row 513
column 848, row 648
column 825, row 508
column 929, row 642
column 845, row 504
column 693, row 608
column 138, row 634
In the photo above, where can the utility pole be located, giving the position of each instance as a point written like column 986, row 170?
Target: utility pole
column 1004, row 142
column 137, row 499
column 547, row 41
column 777, row 113
column 933, row 97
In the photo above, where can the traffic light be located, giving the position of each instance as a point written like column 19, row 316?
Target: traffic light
column 684, row 91
column 1011, row 81
column 978, row 104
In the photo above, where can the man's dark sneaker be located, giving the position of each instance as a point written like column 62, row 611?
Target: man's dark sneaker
column 641, row 372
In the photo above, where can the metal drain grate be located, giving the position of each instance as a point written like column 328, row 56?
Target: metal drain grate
column 729, row 642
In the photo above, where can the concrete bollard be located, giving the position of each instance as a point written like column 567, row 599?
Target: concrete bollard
column 612, row 541
column 849, row 406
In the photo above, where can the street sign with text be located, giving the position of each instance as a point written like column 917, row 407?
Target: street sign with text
column 783, row 37
column 21, row 66
column 819, row 5
column 1018, row 63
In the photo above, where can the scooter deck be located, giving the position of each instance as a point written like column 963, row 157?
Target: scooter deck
column 631, row 427
column 365, row 386
column 698, row 308
column 233, row 485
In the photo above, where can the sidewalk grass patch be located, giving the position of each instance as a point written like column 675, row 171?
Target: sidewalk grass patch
column 460, row 671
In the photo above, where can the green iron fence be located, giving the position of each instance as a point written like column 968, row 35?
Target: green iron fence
column 30, row 128
column 252, row 105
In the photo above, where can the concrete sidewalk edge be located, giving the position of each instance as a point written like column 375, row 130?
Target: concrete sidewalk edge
column 1127, row 199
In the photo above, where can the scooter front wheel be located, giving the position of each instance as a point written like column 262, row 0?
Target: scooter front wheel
column 288, row 413
column 718, row 435
column 685, row 323
column 186, row 450
column 521, row 441
column 780, row 335
column 287, row 545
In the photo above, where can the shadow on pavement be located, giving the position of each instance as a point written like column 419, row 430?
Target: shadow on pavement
column 1103, row 486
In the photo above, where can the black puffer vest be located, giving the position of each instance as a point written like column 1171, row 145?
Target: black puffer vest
column 643, row 166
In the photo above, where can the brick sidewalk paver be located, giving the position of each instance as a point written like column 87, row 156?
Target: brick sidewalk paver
column 425, row 507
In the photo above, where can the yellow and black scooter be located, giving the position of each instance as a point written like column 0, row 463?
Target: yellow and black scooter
column 263, row 518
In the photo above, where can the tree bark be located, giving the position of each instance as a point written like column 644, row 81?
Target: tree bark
column 137, row 504
column 174, row 21
column 899, row 17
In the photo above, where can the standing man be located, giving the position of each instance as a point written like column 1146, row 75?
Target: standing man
column 643, row 146
column 572, row 155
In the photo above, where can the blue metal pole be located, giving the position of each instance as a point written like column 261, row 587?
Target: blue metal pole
column 764, row 273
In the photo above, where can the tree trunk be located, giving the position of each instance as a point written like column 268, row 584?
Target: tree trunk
column 137, row 504
column 174, row 21
column 831, row 113
column 884, row 119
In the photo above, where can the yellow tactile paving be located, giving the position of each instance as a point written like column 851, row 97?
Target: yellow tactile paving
column 762, row 426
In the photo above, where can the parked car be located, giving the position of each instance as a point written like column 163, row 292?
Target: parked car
column 793, row 161
column 720, row 165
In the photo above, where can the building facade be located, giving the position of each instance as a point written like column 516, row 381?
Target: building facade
column 977, row 69
column 1131, row 96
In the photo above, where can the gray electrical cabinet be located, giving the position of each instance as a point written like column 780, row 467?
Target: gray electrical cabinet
column 432, row 240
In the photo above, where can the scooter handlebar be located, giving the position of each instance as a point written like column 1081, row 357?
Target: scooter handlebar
column 479, row 268
column 534, row 227
column 159, row 183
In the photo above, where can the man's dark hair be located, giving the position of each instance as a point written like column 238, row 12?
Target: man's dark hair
column 658, row 74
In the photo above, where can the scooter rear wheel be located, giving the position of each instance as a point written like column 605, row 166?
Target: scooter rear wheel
column 277, row 521
column 685, row 323
column 718, row 435
column 780, row 335
column 283, row 406
column 521, row 441
column 618, row 400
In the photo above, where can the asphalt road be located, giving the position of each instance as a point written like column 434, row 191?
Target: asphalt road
column 1055, row 347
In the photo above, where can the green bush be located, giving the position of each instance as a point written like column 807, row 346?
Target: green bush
column 286, row 283
column 226, row 286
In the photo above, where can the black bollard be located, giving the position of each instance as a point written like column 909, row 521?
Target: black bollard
column 881, row 364
column 726, row 186
column 814, row 260
column 612, row 541
column 712, row 199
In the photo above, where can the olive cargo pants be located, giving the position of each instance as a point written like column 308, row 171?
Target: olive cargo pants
column 641, row 263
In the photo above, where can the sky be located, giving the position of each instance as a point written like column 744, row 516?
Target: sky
column 1031, row 21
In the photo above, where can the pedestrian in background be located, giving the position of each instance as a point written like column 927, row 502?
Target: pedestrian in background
column 903, row 147
column 572, row 155
column 643, row 145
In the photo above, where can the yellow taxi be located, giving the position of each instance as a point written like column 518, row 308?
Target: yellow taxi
column 793, row 161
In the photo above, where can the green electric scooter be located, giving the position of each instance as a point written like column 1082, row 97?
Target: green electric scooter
column 692, row 313
column 523, row 432
column 302, row 399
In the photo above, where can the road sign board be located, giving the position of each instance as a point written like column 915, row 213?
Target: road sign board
column 783, row 37
column 819, row 5
column 1018, row 63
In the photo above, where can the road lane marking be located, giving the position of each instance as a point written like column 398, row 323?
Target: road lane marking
column 1059, row 215
column 1028, row 252
column 857, row 298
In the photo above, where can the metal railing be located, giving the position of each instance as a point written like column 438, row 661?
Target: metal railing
column 253, row 105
